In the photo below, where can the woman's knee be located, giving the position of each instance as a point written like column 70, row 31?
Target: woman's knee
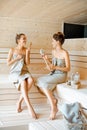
column 30, row 80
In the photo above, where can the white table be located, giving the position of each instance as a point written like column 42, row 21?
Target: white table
column 71, row 95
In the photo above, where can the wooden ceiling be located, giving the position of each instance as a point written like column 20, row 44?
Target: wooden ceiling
column 73, row 11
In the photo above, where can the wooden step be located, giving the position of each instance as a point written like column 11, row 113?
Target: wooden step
column 9, row 116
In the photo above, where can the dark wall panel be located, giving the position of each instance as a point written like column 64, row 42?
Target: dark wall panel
column 85, row 31
column 73, row 31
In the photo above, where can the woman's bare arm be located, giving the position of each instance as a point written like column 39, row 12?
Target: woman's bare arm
column 27, row 58
column 47, row 61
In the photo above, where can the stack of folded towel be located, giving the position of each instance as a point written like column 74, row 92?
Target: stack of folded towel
column 73, row 116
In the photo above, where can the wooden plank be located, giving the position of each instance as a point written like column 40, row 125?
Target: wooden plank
column 37, row 56
column 78, row 53
column 79, row 58
column 10, row 117
column 12, row 96
column 3, row 56
column 6, row 90
column 35, row 51
column 4, row 50
column 79, row 64
column 3, row 61
column 34, row 60
column 82, row 72
column 14, row 101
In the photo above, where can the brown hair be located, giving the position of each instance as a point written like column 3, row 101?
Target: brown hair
column 59, row 37
column 18, row 36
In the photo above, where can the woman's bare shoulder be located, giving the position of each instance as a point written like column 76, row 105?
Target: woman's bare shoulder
column 11, row 50
column 65, row 51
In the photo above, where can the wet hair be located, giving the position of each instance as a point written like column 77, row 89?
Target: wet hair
column 18, row 36
column 59, row 37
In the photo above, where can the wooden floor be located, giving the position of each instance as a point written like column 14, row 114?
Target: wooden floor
column 9, row 116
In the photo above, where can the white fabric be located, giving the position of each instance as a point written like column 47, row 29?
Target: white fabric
column 71, row 112
column 73, row 115
column 73, row 95
column 48, row 125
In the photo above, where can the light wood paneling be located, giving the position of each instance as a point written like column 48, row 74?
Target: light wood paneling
column 47, row 10
column 79, row 44
column 39, row 33
column 38, row 19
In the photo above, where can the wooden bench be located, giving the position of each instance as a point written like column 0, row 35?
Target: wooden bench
column 9, row 95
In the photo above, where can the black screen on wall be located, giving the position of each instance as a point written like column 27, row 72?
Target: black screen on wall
column 85, row 31
column 73, row 30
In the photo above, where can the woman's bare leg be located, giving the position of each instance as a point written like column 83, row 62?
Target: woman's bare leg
column 26, row 99
column 19, row 109
column 53, row 103
column 30, row 82
column 21, row 99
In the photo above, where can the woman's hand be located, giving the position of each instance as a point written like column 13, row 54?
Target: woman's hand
column 52, row 67
column 19, row 57
column 49, row 66
column 29, row 48
column 45, row 57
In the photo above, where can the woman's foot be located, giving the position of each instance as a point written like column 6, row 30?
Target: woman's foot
column 53, row 113
column 33, row 114
column 19, row 109
column 55, row 110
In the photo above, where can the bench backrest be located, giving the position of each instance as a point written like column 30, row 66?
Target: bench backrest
column 78, row 61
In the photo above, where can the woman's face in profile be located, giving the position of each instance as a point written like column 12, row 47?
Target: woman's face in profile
column 22, row 41
column 54, row 43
